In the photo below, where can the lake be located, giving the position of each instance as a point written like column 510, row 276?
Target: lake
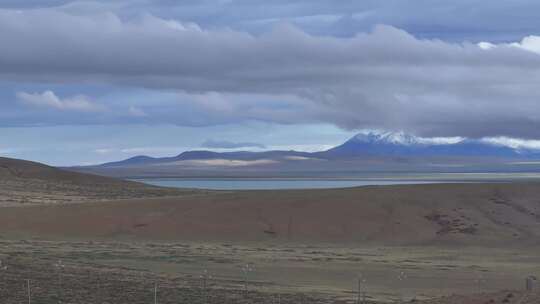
column 270, row 184
column 323, row 183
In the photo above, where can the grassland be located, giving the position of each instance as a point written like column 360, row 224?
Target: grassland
column 126, row 272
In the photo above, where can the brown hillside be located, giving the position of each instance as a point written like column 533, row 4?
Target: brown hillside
column 479, row 214
column 29, row 183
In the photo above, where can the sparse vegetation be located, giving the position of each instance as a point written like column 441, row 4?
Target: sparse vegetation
column 124, row 272
column 139, row 251
column 25, row 183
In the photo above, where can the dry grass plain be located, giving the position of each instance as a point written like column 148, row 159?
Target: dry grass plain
column 125, row 272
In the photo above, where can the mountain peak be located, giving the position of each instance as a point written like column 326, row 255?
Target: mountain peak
column 403, row 139
column 396, row 138
column 401, row 144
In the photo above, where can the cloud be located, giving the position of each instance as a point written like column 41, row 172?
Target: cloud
column 49, row 100
column 514, row 143
column 136, row 112
column 224, row 144
column 448, row 20
column 154, row 150
column 401, row 137
column 157, row 151
column 529, row 43
column 225, row 162
column 305, row 147
column 7, row 151
column 382, row 79
column 104, row 151
column 486, row 45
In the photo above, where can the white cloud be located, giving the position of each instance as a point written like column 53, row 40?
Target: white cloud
column 48, row 99
column 104, row 151
column 515, row 143
column 486, row 45
column 440, row 140
column 401, row 137
column 530, row 43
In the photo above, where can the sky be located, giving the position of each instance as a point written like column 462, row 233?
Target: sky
column 85, row 82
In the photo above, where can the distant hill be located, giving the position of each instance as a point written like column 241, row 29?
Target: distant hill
column 205, row 155
column 365, row 152
column 16, row 169
column 30, row 183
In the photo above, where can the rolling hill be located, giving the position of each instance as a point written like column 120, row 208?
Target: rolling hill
column 30, row 183
column 479, row 214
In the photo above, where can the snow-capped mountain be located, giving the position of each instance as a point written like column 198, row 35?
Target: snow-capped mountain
column 403, row 138
column 400, row 144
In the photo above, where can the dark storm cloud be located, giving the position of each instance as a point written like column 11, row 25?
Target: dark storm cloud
column 385, row 78
column 225, row 144
column 452, row 20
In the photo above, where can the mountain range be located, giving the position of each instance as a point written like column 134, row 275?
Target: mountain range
column 405, row 145
column 369, row 151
